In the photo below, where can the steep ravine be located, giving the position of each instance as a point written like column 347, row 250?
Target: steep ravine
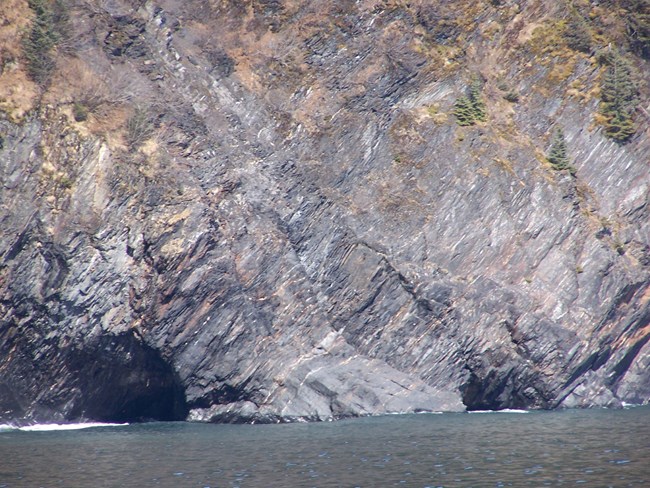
column 270, row 213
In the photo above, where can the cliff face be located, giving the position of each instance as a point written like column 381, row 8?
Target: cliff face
column 261, row 211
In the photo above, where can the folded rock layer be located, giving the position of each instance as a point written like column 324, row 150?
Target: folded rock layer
column 267, row 211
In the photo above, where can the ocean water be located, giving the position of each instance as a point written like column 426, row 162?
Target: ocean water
column 591, row 448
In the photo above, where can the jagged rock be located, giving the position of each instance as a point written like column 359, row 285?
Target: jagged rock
column 309, row 235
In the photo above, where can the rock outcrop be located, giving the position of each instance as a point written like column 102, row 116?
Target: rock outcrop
column 265, row 211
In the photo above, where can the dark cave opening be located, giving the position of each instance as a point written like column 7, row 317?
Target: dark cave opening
column 496, row 391
column 121, row 379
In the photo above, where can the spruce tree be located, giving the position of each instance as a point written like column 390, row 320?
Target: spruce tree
column 463, row 111
column 620, row 128
column 577, row 34
column 470, row 108
column 478, row 105
column 39, row 41
column 638, row 25
column 618, row 93
column 558, row 154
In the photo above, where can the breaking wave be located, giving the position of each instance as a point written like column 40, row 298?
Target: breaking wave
column 56, row 427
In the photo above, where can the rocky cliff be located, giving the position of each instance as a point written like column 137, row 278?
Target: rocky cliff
column 266, row 210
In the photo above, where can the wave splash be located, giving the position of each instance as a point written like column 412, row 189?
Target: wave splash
column 505, row 410
column 56, row 427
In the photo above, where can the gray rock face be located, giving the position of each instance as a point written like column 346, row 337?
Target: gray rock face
column 304, row 232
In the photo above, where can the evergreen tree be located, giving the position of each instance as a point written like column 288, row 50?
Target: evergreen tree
column 470, row 108
column 620, row 128
column 577, row 34
column 463, row 111
column 39, row 41
column 618, row 94
column 478, row 105
column 638, row 25
column 558, row 154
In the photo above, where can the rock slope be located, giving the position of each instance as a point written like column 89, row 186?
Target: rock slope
column 265, row 211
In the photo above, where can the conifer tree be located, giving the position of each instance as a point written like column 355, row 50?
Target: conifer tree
column 478, row 105
column 618, row 93
column 638, row 25
column 39, row 41
column 470, row 108
column 620, row 128
column 463, row 111
column 558, row 154
column 577, row 34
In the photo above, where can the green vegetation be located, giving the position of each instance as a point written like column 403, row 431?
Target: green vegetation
column 558, row 154
column 40, row 40
column 512, row 96
column 638, row 25
column 65, row 182
column 80, row 112
column 577, row 35
column 478, row 105
column 2, row 142
column 463, row 111
column 618, row 95
column 139, row 128
column 619, row 247
column 470, row 108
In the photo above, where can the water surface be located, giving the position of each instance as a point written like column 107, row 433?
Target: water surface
column 594, row 448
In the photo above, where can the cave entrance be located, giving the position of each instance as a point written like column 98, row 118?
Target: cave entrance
column 121, row 379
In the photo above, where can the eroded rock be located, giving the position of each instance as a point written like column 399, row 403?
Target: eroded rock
column 309, row 235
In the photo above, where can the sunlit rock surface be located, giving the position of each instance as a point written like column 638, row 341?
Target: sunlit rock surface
column 304, row 232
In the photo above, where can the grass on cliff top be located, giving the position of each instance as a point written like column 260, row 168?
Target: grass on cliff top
column 17, row 92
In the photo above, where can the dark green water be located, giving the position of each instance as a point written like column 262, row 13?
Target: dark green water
column 594, row 448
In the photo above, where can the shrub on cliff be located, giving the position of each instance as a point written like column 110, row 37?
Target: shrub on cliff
column 512, row 96
column 80, row 112
column 139, row 128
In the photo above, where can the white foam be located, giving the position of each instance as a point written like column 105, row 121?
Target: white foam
column 53, row 427
column 631, row 405
column 505, row 410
